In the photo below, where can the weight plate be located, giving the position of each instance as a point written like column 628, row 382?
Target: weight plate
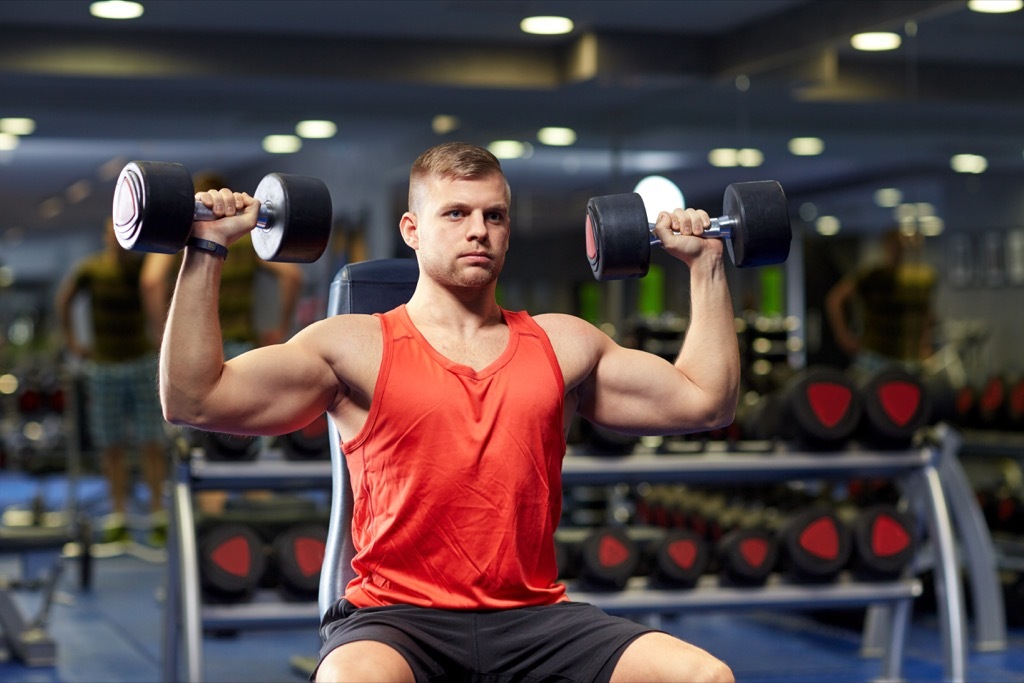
column 762, row 233
column 299, row 217
column 618, row 236
column 153, row 207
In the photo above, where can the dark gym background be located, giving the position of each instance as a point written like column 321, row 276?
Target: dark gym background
column 648, row 86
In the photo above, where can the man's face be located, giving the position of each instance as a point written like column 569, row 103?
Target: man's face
column 460, row 230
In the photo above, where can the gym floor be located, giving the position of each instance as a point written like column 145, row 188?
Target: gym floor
column 112, row 633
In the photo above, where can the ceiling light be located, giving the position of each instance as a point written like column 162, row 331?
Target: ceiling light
column 282, row 144
column 876, row 42
column 888, row 197
column 995, row 6
column 17, row 126
column 968, row 163
column 749, row 157
column 546, row 26
column 806, row 147
column 510, row 149
column 444, row 123
column 557, row 137
column 116, row 9
column 8, row 142
column 723, row 157
column 827, row 225
column 659, row 194
column 931, row 226
column 318, row 130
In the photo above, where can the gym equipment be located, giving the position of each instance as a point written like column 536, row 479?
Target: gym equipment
column 746, row 556
column 755, row 226
column 26, row 638
column 678, row 559
column 308, row 443
column 884, row 542
column 818, row 407
column 605, row 558
column 232, row 561
column 155, row 206
column 219, row 447
column 816, row 545
column 366, row 287
column 895, row 404
column 298, row 555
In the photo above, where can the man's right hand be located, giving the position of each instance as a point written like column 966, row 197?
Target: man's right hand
column 236, row 211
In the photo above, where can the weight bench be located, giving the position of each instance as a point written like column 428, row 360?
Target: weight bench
column 367, row 287
column 39, row 550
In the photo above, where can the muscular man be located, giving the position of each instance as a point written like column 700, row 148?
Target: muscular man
column 453, row 414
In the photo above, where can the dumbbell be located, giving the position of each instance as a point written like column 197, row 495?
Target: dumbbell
column 298, row 555
column 155, row 206
column 895, row 405
column 755, row 227
column 819, row 408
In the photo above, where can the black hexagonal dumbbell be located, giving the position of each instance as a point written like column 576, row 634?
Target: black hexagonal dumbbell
column 755, row 226
column 155, row 206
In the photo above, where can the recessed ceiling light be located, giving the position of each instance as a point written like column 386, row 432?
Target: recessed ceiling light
column 806, row 147
column 827, row 226
column 444, row 123
column 17, row 126
column 546, row 26
column 316, row 129
column 557, row 137
column 8, row 142
column 116, row 9
column 995, row 6
column 888, row 197
column 510, row 149
column 968, row 163
column 749, row 157
column 876, row 42
column 282, row 144
column 723, row 157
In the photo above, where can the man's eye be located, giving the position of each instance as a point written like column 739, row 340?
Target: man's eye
column 455, row 213
column 496, row 217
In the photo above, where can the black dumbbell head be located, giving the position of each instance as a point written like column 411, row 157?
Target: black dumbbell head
column 300, row 218
column 153, row 207
column 618, row 236
column 762, row 233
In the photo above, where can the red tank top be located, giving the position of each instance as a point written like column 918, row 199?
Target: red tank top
column 456, row 475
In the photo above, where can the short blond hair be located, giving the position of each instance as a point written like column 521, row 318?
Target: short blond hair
column 454, row 161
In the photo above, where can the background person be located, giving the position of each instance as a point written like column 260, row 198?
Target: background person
column 236, row 305
column 453, row 414
column 893, row 300
column 120, row 371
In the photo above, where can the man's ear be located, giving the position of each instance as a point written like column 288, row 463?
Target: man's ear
column 410, row 231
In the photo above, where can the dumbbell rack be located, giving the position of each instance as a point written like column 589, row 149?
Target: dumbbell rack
column 185, row 614
column 935, row 488
column 931, row 480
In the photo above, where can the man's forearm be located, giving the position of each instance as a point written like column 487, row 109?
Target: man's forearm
column 710, row 352
column 192, row 353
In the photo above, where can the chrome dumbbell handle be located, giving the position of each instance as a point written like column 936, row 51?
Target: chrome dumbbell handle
column 720, row 227
column 204, row 213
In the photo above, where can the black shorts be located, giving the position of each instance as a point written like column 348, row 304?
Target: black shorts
column 568, row 641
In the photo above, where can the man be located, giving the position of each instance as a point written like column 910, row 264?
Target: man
column 119, row 369
column 453, row 414
column 895, row 304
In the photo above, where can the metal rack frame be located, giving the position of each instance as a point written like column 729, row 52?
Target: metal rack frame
column 929, row 476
